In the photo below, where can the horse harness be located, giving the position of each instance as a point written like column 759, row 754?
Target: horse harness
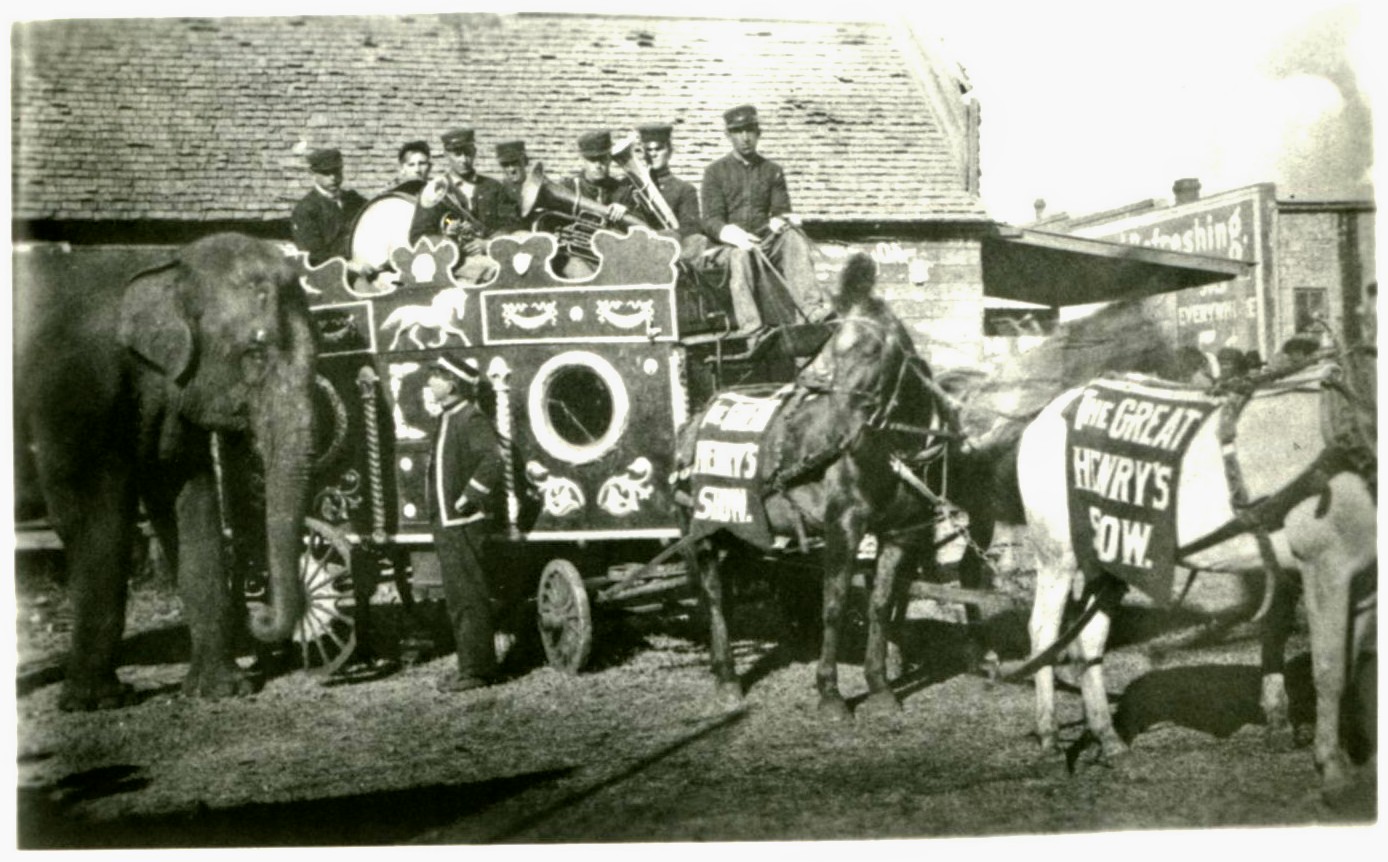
column 1350, row 446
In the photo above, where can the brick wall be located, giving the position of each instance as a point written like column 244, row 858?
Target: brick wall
column 1330, row 250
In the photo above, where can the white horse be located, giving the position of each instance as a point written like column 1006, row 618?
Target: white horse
column 440, row 315
column 1328, row 537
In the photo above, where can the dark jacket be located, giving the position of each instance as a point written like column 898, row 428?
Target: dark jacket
column 683, row 200
column 494, row 204
column 323, row 227
column 746, row 194
column 466, row 461
column 609, row 191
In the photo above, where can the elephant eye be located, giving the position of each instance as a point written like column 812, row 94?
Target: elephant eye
column 253, row 363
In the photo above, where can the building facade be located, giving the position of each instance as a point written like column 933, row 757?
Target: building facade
column 1308, row 261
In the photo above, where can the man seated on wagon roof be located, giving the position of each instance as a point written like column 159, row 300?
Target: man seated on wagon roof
column 322, row 220
column 747, row 212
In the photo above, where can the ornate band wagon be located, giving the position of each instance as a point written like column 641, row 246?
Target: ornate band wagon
column 589, row 381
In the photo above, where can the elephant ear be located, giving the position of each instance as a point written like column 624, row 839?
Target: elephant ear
column 152, row 323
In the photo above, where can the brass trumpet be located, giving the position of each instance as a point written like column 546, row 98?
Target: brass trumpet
column 457, row 221
column 624, row 153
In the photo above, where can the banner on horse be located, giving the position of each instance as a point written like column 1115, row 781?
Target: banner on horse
column 726, row 475
column 1124, row 447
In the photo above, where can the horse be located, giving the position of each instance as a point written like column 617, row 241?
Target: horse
column 994, row 406
column 829, row 469
column 1304, row 476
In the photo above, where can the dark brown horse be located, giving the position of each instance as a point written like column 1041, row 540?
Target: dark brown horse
column 829, row 469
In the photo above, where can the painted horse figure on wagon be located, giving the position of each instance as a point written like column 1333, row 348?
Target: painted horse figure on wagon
column 820, row 459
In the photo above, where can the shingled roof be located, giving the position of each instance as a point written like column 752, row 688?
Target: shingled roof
column 208, row 119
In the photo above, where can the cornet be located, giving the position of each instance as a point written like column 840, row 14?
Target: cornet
column 457, row 221
column 624, row 153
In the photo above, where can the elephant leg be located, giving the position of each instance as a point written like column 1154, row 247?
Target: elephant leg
column 96, row 523
column 207, row 604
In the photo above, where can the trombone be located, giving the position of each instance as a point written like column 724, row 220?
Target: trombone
column 624, row 154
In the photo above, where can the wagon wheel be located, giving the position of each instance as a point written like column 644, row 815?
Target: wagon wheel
column 565, row 617
column 327, row 632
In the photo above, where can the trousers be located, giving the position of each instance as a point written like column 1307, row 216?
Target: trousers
column 762, row 298
column 468, row 596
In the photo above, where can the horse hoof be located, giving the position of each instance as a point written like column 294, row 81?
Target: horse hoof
column 728, row 695
column 881, row 703
column 1279, row 737
column 834, row 709
column 1114, row 754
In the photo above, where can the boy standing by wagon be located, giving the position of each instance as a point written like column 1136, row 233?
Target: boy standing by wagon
column 465, row 472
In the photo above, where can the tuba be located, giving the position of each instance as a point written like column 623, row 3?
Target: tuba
column 566, row 214
column 625, row 155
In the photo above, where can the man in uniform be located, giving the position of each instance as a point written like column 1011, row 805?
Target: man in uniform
column 681, row 196
column 469, row 207
column 322, row 220
column 747, row 212
column 464, row 475
column 595, row 182
column 514, row 162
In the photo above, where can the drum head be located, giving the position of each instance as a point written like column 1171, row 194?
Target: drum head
column 382, row 227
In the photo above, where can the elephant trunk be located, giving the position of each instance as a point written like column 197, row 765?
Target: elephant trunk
column 282, row 424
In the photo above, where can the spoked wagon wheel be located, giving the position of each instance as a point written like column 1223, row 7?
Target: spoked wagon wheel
column 327, row 632
column 565, row 617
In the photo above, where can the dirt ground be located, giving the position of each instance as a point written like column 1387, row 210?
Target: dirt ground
column 634, row 749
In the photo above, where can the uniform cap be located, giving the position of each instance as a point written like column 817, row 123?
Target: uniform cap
column 658, row 132
column 594, row 144
column 325, row 161
column 462, row 137
column 741, row 117
column 510, row 151
column 461, row 367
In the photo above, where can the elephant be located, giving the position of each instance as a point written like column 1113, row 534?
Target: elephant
column 120, row 389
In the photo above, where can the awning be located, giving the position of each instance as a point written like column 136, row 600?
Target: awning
column 1059, row 269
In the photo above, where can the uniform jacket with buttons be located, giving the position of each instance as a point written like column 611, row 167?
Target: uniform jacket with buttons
column 493, row 203
column 465, row 462
column 323, row 226
column 683, row 200
column 745, row 193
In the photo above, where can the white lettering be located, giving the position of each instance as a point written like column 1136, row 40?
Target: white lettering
column 1120, row 540
column 1136, row 537
column 724, row 505
column 729, row 460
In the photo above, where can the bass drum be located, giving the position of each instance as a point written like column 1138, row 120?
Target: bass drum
column 384, row 224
